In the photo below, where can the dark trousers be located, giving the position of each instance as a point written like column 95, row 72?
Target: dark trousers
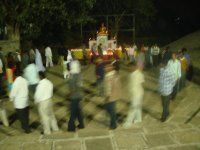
column 75, row 113
column 182, row 80
column 155, row 60
column 111, row 109
column 32, row 88
column 175, row 89
column 23, row 116
column 165, row 105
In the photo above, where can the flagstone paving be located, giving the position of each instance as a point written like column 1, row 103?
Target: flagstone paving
column 179, row 132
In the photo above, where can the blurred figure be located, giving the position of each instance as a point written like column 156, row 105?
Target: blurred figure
column 99, row 75
column 166, row 55
column 25, row 59
column 112, row 93
column 43, row 98
column 184, row 67
column 189, row 73
column 32, row 55
column 3, row 114
column 48, row 54
column 124, row 53
column 175, row 66
column 31, row 74
column 75, row 97
column 100, row 51
column 10, row 72
column 136, row 90
column 167, row 81
column 155, row 51
column 94, row 51
column 19, row 96
column 38, row 61
column 1, row 77
column 17, row 58
column 66, row 63
column 131, row 53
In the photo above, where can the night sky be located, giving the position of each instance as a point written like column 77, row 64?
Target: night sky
column 181, row 16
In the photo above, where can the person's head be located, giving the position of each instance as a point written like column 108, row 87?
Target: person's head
column 18, row 73
column 42, row 75
column 184, row 50
column 173, row 55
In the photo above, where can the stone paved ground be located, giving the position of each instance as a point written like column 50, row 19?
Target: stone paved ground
column 151, row 134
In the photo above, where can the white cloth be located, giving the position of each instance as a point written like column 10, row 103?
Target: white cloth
column 48, row 52
column 48, row 55
column 38, row 61
column 31, row 74
column 44, row 90
column 75, row 67
column 155, row 50
column 130, row 51
column 48, row 120
column 135, row 83
column 19, row 93
column 175, row 67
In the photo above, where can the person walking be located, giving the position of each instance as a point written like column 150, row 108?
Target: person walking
column 112, row 93
column 48, row 54
column 31, row 74
column 75, row 97
column 43, row 98
column 167, row 81
column 38, row 61
column 19, row 96
column 136, row 90
column 175, row 66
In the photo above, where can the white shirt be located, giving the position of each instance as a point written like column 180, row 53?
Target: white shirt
column 130, row 51
column 44, row 90
column 75, row 67
column 19, row 93
column 135, row 83
column 175, row 67
column 31, row 74
column 48, row 52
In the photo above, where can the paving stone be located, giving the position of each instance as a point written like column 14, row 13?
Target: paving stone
column 67, row 145
column 192, row 136
column 2, row 136
column 37, row 146
column 59, row 135
column 13, row 146
column 99, row 144
column 155, row 140
column 160, row 127
column 195, row 121
column 93, row 132
column 23, row 138
column 129, row 139
column 190, row 147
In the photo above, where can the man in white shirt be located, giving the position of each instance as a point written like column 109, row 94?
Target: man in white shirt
column 19, row 96
column 48, row 55
column 136, row 90
column 66, row 63
column 175, row 66
column 31, row 74
column 43, row 97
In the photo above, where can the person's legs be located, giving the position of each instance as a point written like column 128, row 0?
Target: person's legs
column 43, row 112
column 110, row 107
column 80, row 117
column 165, row 104
column 53, row 121
column 3, row 115
column 130, row 116
column 23, row 118
column 73, row 111
column 51, row 61
column 175, row 88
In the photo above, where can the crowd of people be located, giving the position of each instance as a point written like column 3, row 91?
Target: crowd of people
column 26, row 79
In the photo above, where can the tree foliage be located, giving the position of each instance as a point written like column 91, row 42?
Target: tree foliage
column 30, row 16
